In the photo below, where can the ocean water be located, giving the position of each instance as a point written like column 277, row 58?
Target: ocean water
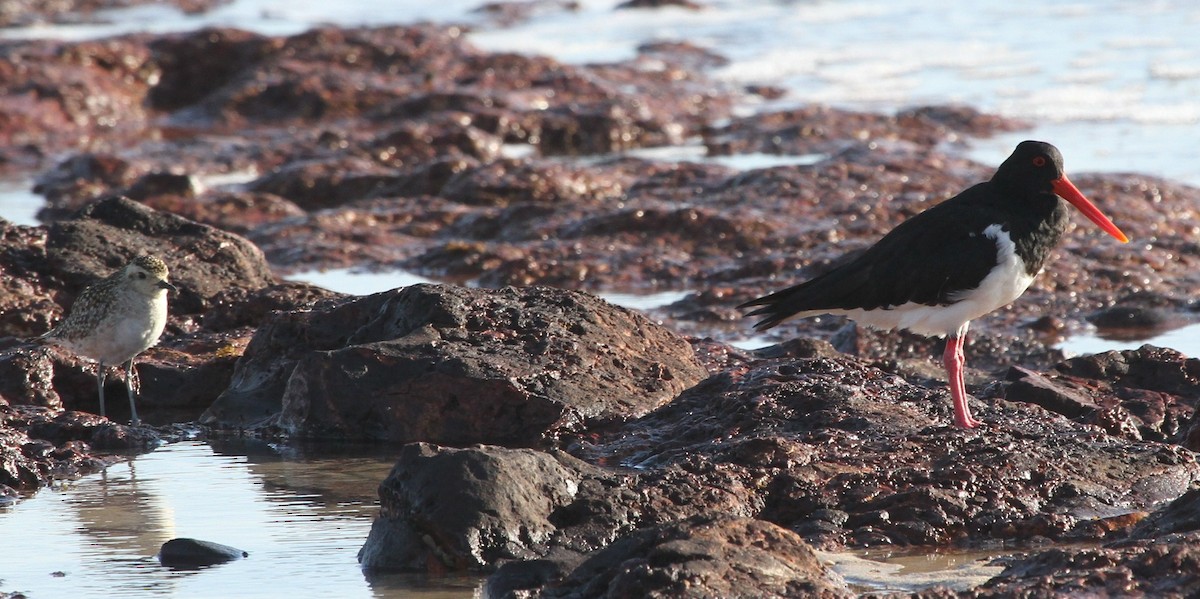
column 1114, row 84
column 302, row 516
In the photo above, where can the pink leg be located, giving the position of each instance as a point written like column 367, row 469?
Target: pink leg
column 953, row 360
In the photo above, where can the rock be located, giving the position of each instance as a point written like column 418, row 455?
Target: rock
column 454, row 365
column 100, row 434
column 715, row 556
column 51, row 265
column 827, row 433
column 194, row 553
column 824, row 129
column 203, row 261
column 1160, row 568
column 688, row 4
column 1180, row 516
column 1136, row 317
column 1034, row 388
column 40, row 445
column 315, row 185
column 27, row 377
column 1147, row 393
column 445, row 509
column 56, row 95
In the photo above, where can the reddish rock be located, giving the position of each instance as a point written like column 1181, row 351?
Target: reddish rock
column 316, row 185
column 445, row 509
column 1147, row 393
column 40, row 445
column 454, row 365
column 716, row 556
column 49, row 266
column 1159, row 568
column 824, row 433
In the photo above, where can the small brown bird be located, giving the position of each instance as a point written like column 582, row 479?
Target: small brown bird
column 116, row 319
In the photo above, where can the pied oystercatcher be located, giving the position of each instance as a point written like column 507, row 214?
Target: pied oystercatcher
column 952, row 263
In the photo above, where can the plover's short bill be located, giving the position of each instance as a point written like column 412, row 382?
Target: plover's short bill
column 116, row 319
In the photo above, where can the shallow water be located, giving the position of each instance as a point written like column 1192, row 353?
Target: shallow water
column 912, row 570
column 18, row 204
column 359, row 282
column 1114, row 84
column 1185, row 339
column 302, row 514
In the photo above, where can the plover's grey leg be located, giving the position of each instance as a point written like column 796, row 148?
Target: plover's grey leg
column 134, row 420
column 100, row 385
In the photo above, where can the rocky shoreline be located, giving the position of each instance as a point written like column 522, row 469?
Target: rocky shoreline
column 559, row 444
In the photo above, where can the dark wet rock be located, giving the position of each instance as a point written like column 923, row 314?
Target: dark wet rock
column 46, row 267
column 1055, row 396
column 27, row 377
column 825, row 433
column 75, row 181
column 810, row 441
column 1152, row 556
column 39, row 445
column 440, row 137
column 507, row 182
column 604, row 128
column 53, row 94
column 507, row 14
column 239, row 307
column 469, row 509
column 161, row 183
column 316, row 185
column 688, row 4
column 196, row 63
column 1180, row 516
column 1129, row 317
column 1147, row 393
column 683, row 53
column 195, row 553
column 717, row 556
column 454, row 365
column 1167, row 567
column 29, row 13
column 541, row 519
column 238, row 212
column 203, row 261
column 823, row 129
column 99, row 434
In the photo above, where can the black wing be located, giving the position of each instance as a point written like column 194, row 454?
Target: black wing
column 927, row 259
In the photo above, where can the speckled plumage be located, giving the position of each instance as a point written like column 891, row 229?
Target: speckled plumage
column 117, row 318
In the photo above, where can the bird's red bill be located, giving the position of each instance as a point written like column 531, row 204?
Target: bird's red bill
column 1067, row 191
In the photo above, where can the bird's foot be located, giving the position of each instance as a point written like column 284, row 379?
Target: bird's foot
column 966, row 421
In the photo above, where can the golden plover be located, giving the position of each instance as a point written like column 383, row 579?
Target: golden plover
column 116, row 319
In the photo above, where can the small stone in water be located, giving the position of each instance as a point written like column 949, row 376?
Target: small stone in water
column 194, row 553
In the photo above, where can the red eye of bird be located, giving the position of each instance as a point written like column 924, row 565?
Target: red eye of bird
column 1039, row 161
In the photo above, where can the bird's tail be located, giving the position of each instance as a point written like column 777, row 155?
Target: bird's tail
column 779, row 306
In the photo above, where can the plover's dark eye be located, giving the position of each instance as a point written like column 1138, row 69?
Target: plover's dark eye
column 141, row 275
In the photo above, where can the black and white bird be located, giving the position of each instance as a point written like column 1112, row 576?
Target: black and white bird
column 939, row 270
column 116, row 319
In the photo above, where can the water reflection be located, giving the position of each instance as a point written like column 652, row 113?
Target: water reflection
column 301, row 512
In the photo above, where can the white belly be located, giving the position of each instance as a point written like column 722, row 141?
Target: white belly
column 126, row 332
column 1005, row 283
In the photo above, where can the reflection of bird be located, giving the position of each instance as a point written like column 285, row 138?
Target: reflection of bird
column 117, row 318
column 954, row 262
